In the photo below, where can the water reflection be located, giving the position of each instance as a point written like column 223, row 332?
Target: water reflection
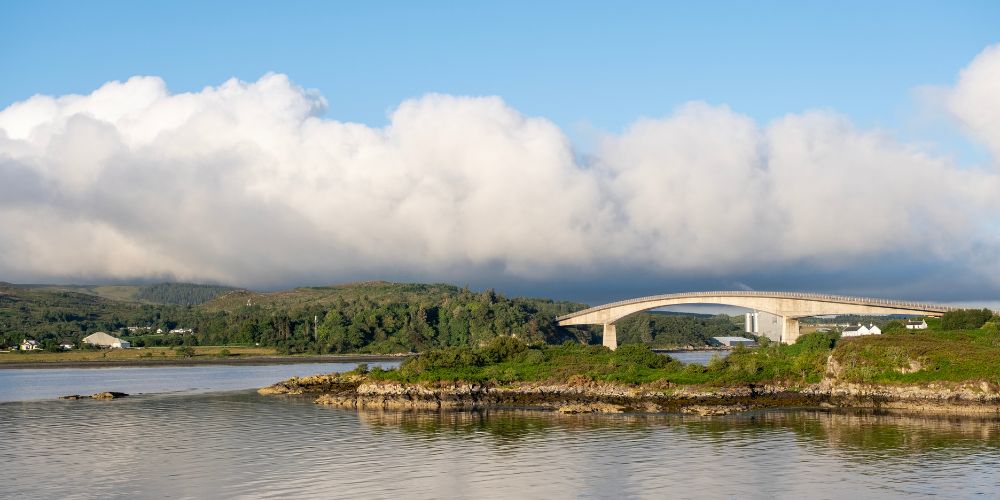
column 240, row 444
column 850, row 430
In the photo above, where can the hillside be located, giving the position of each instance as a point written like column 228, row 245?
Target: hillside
column 183, row 294
column 57, row 313
column 309, row 297
column 377, row 317
column 371, row 316
column 159, row 293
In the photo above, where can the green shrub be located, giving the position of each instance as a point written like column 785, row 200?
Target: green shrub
column 638, row 355
column 818, row 341
column 502, row 348
column 530, row 357
column 894, row 326
column 965, row 319
column 184, row 351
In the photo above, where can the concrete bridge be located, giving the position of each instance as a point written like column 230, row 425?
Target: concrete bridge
column 789, row 306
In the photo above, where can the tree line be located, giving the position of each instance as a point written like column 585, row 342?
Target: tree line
column 380, row 318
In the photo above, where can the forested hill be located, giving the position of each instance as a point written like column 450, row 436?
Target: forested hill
column 371, row 317
column 376, row 317
column 183, row 294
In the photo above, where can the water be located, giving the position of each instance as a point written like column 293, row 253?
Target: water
column 696, row 357
column 237, row 444
column 49, row 383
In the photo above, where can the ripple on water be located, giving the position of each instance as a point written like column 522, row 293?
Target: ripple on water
column 239, row 444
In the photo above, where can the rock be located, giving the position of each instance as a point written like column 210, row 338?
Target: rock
column 579, row 394
column 590, row 408
column 913, row 367
column 109, row 395
column 72, row 397
column 316, row 384
column 714, row 410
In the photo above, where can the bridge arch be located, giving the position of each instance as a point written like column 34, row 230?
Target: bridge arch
column 790, row 306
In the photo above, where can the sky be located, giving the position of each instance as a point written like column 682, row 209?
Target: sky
column 576, row 150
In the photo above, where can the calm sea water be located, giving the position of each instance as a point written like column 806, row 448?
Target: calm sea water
column 43, row 383
column 696, row 357
column 236, row 444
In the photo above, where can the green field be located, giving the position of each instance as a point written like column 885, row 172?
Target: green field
column 133, row 354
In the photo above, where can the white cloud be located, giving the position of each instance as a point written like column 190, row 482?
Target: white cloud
column 246, row 183
column 975, row 99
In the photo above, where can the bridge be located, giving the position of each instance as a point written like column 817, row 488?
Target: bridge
column 789, row 306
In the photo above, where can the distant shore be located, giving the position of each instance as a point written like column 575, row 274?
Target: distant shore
column 199, row 361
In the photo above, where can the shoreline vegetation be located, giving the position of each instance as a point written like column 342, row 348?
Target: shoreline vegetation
column 180, row 356
column 368, row 317
column 951, row 371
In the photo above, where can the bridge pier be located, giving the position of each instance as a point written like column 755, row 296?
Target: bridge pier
column 610, row 336
column 789, row 330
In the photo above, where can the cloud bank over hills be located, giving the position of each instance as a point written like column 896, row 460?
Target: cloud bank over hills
column 249, row 184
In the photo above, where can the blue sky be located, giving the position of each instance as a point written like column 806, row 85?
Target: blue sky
column 591, row 70
column 598, row 64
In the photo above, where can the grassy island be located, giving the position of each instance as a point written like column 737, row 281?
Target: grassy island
column 937, row 369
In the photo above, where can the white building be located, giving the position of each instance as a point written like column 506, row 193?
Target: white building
column 764, row 324
column 29, row 345
column 735, row 341
column 861, row 330
column 102, row 339
column 916, row 325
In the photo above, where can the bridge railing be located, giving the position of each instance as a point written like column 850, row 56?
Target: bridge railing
column 888, row 303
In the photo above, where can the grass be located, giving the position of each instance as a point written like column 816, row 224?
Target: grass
column 902, row 358
column 923, row 357
column 505, row 360
column 128, row 354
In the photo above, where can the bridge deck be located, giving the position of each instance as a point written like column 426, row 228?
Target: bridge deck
column 839, row 299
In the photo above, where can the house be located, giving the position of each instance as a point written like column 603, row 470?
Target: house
column 182, row 330
column 861, row 330
column 735, row 341
column 102, row 339
column 854, row 331
column 916, row 325
column 30, row 345
column 66, row 345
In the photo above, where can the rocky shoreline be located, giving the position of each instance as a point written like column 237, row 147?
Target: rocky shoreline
column 99, row 395
column 351, row 390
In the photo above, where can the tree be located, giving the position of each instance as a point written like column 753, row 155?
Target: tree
column 965, row 319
